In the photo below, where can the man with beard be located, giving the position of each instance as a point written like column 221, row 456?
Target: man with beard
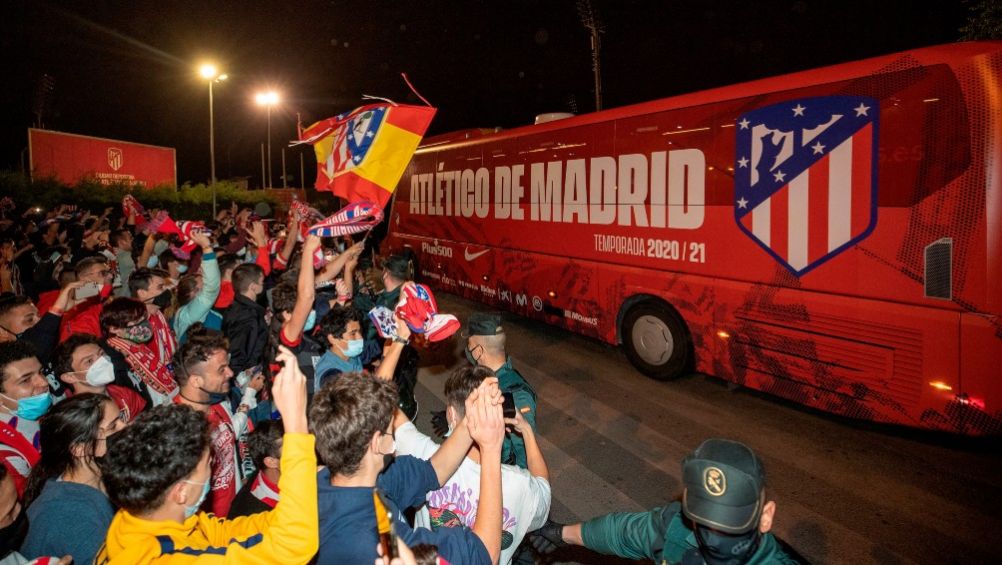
column 723, row 518
column 203, row 372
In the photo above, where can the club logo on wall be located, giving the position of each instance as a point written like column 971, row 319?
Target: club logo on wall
column 114, row 158
column 805, row 183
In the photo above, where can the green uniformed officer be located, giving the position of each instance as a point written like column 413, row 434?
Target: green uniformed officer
column 485, row 345
column 723, row 518
column 394, row 275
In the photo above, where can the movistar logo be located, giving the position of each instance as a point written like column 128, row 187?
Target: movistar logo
column 471, row 256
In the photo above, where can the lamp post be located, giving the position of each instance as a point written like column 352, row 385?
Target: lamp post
column 268, row 99
column 210, row 73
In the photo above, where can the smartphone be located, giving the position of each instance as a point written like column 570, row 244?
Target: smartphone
column 508, row 405
column 384, row 525
column 87, row 290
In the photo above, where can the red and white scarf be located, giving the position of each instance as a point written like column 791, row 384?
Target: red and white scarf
column 264, row 490
column 146, row 364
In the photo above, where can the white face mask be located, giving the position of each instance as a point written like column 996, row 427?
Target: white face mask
column 101, row 372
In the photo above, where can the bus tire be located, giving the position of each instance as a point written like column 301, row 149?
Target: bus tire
column 657, row 341
column 412, row 265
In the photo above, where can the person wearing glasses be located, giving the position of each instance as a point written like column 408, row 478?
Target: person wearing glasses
column 68, row 510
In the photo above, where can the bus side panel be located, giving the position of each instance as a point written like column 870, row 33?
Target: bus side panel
column 862, row 359
column 555, row 290
column 977, row 404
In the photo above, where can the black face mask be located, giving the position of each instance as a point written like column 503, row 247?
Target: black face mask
column 216, row 397
column 163, row 300
column 718, row 548
column 13, row 535
column 471, row 358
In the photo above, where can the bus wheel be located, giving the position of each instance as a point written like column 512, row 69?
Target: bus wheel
column 656, row 340
column 412, row 265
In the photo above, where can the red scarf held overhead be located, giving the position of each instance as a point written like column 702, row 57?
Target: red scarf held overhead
column 144, row 363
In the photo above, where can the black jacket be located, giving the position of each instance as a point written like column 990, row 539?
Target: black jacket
column 244, row 326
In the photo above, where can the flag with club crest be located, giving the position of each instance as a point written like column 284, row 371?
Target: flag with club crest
column 362, row 154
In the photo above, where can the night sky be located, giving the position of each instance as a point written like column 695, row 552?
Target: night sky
column 127, row 70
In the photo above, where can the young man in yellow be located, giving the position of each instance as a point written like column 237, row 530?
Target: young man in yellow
column 157, row 472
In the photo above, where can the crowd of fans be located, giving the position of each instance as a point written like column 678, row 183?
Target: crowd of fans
column 169, row 397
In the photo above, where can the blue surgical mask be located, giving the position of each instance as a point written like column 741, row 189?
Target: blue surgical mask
column 189, row 511
column 311, row 321
column 152, row 262
column 182, row 269
column 354, row 348
column 32, row 407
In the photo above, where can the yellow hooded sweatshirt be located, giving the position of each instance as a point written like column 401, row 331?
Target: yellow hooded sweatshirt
column 287, row 534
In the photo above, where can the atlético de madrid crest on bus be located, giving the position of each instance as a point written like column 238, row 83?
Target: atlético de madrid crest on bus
column 805, row 177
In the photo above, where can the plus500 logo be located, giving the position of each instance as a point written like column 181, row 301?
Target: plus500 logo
column 435, row 249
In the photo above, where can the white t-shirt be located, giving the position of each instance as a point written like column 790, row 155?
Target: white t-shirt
column 525, row 499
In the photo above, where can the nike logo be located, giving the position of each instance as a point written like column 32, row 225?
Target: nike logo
column 471, row 256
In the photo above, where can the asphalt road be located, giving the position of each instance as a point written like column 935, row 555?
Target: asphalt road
column 846, row 492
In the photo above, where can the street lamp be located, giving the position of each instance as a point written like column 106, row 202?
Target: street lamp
column 268, row 99
column 210, row 73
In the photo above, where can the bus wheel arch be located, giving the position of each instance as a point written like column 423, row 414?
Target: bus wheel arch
column 655, row 337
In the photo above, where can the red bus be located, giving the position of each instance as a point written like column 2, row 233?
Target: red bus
column 833, row 236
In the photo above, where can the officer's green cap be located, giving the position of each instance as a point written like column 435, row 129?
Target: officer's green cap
column 483, row 323
column 724, row 486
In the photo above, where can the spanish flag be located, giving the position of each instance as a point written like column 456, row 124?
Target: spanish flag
column 362, row 154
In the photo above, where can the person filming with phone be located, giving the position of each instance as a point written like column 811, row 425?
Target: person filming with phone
column 84, row 313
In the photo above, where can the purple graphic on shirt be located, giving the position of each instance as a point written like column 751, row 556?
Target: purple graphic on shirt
column 452, row 506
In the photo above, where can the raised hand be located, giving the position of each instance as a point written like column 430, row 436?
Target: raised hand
column 311, row 244
column 289, row 392
column 518, row 423
column 256, row 234
column 201, row 239
column 485, row 416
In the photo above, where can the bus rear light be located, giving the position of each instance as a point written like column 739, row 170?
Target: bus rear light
column 723, row 335
column 978, row 403
column 551, row 294
column 940, row 385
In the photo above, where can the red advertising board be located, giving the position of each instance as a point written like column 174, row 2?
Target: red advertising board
column 71, row 157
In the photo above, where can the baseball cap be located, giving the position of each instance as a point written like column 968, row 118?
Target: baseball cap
column 724, row 486
column 483, row 323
